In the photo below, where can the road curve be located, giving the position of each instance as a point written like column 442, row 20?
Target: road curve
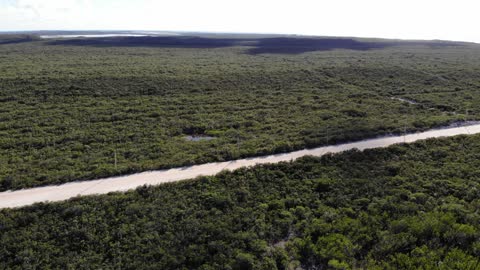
column 11, row 199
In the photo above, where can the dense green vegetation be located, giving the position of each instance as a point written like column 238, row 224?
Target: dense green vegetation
column 67, row 107
column 405, row 207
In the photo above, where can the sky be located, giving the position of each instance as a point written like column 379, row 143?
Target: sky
column 404, row 19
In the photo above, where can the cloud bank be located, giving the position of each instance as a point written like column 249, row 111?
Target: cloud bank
column 408, row 19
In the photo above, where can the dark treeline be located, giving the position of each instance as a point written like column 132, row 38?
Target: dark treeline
column 66, row 111
column 405, row 207
column 17, row 38
column 260, row 45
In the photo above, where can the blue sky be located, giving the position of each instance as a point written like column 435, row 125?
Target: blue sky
column 407, row 19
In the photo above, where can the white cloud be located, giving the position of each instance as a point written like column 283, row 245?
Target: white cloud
column 44, row 14
column 428, row 19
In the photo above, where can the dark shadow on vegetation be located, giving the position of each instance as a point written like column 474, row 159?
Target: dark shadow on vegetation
column 161, row 42
column 280, row 45
column 12, row 39
column 301, row 45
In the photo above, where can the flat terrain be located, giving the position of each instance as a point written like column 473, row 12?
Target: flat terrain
column 93, row 108
column 410, row 206
column 69, row 106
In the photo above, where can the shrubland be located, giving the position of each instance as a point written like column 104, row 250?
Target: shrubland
column 67, row 107
column 410, row 206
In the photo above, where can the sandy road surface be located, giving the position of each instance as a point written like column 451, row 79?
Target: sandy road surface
column 123, row 183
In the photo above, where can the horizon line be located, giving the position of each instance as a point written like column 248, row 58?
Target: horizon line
column 236, row 33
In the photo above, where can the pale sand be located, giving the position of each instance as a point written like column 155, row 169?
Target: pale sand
column 66, row 191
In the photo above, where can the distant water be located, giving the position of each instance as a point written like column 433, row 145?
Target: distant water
column 409, row 101
column 93, row 36
column 198, row 138
column 139, row 34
